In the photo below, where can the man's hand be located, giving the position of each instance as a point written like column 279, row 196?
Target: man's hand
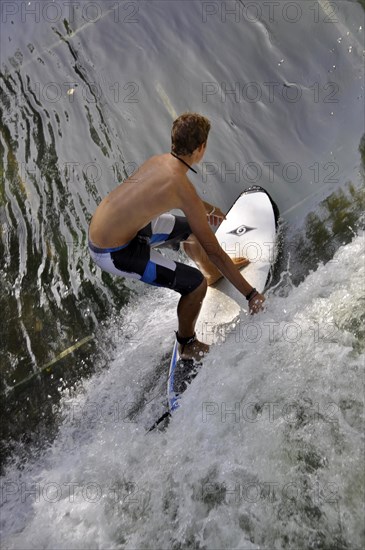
column 256, row 303
column 215, row 216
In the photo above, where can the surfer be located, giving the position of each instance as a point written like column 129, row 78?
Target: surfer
column 134, row 218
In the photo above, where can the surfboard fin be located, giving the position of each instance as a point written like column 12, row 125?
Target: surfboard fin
column 166, row 414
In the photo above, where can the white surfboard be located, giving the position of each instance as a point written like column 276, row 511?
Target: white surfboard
column 249, row 230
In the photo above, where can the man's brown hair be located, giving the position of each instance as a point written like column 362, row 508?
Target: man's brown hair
column 189, row 131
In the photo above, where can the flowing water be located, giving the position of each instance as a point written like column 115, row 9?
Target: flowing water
column 266, row 450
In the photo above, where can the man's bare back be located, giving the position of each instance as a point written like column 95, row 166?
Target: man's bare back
column 149, row 192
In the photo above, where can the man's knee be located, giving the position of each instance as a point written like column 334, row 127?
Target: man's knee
column 188, row 279
column 203, row 285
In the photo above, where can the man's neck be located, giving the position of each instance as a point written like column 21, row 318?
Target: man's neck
column 184, row 162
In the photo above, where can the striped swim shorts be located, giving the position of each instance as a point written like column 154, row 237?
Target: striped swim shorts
column 138, row 259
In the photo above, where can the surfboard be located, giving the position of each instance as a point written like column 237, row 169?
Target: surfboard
column 249, row 230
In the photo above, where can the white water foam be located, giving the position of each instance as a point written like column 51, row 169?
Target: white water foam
column 265, row 452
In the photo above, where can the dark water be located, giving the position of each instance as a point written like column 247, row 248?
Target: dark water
column 88, row 91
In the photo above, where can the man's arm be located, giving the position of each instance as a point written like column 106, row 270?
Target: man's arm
column 195, row 212
column 208, row 207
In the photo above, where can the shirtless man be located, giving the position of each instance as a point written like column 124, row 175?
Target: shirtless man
column 133, row 219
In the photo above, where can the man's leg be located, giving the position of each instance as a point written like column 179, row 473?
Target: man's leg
column 174, row 229
column 187, row 311
column 197, row 253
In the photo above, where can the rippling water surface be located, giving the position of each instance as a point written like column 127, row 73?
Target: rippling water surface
column 266, row 450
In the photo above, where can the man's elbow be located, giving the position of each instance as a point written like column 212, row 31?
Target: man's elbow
column 215, row 254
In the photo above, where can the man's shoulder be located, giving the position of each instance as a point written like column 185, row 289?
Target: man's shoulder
column 162, row 158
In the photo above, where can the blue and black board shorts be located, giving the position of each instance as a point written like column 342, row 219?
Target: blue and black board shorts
column 138, row 259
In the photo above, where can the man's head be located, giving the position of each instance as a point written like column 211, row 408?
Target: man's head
column 189, row 131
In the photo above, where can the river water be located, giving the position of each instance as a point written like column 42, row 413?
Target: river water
column 266, row 450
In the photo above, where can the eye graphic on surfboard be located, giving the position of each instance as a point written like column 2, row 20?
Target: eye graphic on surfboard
column 241, row 230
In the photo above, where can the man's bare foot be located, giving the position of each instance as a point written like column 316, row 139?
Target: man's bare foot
column 214, row 277
column 196, row 350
